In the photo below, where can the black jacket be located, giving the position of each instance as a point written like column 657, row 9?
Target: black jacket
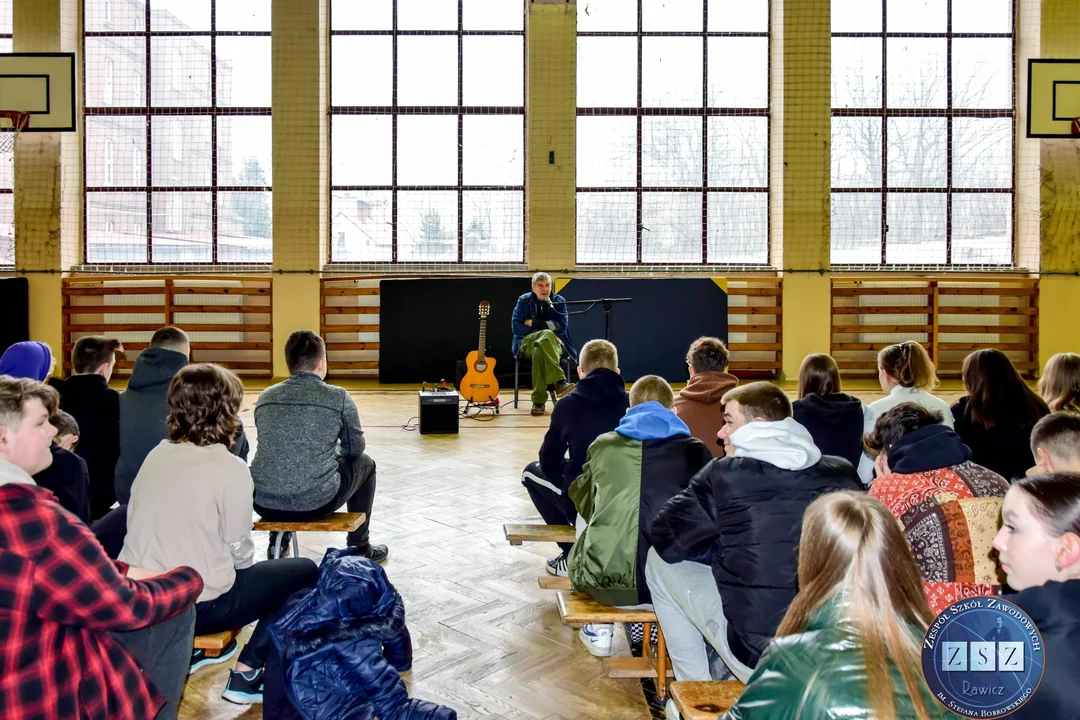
column 595, row 406
column 1005, row 450
column 143, row 411
column 69, row 481
column 835, row 422
column 1055, row 609
column 96, row 407
column 743, row 517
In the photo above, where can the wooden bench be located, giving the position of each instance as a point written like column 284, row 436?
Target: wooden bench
column 705, row 700
column 215, row 644
column 334, row 522
column 553, row 582
column 577, row 609
column 534, row 532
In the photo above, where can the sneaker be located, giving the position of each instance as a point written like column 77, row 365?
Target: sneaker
column 671, row 711
column 286, row 544
column 199, row 658
column 563, row 388
column 375, row 553
column 537, row 409
column 244, row 688
column 597, row 639
column 557, row 565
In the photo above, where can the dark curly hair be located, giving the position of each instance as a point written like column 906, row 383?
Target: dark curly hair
column 707, row 354
column 204, row 405
column 896, row 424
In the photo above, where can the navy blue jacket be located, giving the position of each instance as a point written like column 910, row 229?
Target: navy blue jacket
column 529, row 307
column 595, row 406
column 69, row 481
column 96, row 408
column 1055, row 610
column 341, row 646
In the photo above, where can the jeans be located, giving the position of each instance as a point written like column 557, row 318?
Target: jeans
column 258, row 592
column 356, row 492
column 690, row 612
column 545, row 350
column 163, row 651
column 552, row 504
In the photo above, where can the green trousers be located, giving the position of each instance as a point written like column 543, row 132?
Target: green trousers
column 545, row 350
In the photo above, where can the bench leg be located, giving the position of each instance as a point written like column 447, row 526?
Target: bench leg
column 295, row 545
column 516, row 369
column 275, row 552
column 661, row 664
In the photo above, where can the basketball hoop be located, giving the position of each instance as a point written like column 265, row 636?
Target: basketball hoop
column 16, row 122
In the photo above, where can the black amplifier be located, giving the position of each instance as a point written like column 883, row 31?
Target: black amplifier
column 438, row 412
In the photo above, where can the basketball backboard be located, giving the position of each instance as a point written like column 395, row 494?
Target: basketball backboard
column 1053, row 98
column 42, row 84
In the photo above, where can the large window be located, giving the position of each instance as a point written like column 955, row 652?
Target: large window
column 427, row 131
column 922, row 132
column 178, row 144
column 673, row 132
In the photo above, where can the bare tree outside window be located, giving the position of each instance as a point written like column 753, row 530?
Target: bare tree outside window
column 672, row 132
column 922, row 132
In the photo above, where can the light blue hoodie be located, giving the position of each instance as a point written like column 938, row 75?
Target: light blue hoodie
column 651, row 421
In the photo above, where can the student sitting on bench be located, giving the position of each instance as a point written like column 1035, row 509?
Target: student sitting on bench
column 628, row 476
column 67, row 477
column 191, row 504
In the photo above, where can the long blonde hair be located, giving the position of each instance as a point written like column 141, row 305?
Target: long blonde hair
column 1060, row 382
column 910, row 365
column 851, row 543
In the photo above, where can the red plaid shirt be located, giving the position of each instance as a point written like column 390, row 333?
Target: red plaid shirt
column 60, row 597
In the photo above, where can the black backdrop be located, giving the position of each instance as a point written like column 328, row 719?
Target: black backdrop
column 14, row 299
column 427, row 325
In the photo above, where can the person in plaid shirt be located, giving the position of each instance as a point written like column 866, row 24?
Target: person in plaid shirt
column 81, row 636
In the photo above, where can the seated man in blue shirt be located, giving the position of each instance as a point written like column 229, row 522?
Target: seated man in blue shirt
column 542, row 333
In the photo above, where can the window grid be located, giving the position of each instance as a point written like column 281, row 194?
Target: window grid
column 949, row 113
column 704, row 112
column 396, row 110
column 149, row 111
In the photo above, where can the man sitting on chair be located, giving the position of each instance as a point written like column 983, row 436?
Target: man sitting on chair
column 542, row 333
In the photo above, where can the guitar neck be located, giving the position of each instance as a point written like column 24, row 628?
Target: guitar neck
column 483, row 338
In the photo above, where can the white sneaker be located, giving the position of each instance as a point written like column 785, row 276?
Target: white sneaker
column 671, row 711
column 597, row 638
column 557, row 565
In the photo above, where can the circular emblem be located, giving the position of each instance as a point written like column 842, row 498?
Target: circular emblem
column 982, row 657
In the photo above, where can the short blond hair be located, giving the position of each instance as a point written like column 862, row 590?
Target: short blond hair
column 598, row 354
column 649, row 388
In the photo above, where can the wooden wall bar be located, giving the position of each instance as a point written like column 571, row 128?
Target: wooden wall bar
column 350, row 326
column 950, row 316
column 755, row 315
column 227, row 317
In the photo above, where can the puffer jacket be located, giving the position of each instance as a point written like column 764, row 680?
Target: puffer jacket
column 628, row 476
column 529, row 307
column 742, row 516
column 341, row 646
column 821, row 673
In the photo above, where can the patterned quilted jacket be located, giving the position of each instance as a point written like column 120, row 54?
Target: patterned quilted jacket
column 950, row 509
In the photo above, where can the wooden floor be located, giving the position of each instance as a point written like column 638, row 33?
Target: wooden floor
column 486, row 640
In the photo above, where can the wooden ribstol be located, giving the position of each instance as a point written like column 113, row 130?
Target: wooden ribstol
column 950, row 316
column 578, row 609
column 755, row 326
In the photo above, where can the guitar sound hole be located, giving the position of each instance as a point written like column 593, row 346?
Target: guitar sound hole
column 480, row 366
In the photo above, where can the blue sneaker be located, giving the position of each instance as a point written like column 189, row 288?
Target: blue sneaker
column 244, row 688
column 199, row 658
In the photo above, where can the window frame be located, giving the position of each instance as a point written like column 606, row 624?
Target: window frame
column 148, row 111
column 949, row 113
column 704, row 113
column 395, row 110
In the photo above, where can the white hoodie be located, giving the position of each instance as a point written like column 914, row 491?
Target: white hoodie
column 783, row 443
column 10, row 474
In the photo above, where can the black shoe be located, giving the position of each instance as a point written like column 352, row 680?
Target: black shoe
column 538, row 409
column 244, row 688
column 563, row 388
column 286, row 544
column 199, row 658
column 375, row 553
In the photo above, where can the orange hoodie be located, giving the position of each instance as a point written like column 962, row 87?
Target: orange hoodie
column 698, row 405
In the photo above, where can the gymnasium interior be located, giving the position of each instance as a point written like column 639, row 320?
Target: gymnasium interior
column 791, row 176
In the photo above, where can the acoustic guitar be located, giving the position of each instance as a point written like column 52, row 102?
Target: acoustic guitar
column 479, row 384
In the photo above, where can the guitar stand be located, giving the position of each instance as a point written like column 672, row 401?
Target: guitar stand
column 479, row 407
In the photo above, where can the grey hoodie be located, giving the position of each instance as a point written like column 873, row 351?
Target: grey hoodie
column 11, row 474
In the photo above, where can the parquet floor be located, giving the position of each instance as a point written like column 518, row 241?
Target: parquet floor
column 487, row 641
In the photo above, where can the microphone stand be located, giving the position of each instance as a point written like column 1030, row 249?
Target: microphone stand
column 606, row 302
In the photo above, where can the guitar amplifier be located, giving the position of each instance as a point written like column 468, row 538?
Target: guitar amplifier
column 438, row 412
